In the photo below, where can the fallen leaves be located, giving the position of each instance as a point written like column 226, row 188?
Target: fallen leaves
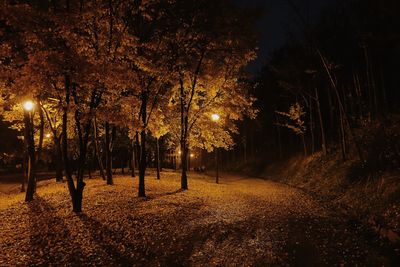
column 238, row 222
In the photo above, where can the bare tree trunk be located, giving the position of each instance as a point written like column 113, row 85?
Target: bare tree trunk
column 24, row 171
column 341, row 107
column 133, row 159
column 370, row 89
column 312, row 126
column 58, row 157
column 123, row 162
column 358, row 96
column 321, row 123
column 342, row 136
column 97, row 151
column 70, row 182
column 83, row 137
column 245, row 148
column 216, row 166
column 158, row 158
column 142, row 164
column 57, row 146
column 384, row 96
column 108, row 150
column 303, row 140
column 278, row 131
column 184, row 144
column 184, row 154
column 142, row 157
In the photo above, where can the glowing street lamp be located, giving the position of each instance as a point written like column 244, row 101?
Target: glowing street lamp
column 215, row 117
column 28, row 105
column 48, row 135
column 191, row 155
column 30, row 148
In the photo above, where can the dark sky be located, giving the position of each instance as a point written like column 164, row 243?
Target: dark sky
column 278, row 17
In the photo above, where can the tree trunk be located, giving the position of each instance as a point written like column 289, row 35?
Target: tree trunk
column 278, row 130
column 321, row 123
column 303, row 140
column 312, row 126
column 142, row 164
column 342, row 136
column 70, row 182
column 24, row 171
column 216, row 166
column 133, row 160
column 123, row 162
column 142, row 157
column 57, row 146
column 359, row 96
column 83, row 146
column 158, row 158
column 341, row 107
column 184, row 152
column 245, row 149
column 184, row 144
column 97, row 151
column 83, row 141
column 108, row 150
column 58, row 158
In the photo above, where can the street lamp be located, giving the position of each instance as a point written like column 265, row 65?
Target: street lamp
column 30, row 148
column 190, row 156
column 216, row 118
column 28, row 105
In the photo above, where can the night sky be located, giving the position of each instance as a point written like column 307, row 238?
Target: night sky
column 277, row 20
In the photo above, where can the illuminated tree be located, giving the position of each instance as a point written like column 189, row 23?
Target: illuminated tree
column 211, row 49
column 71, row 54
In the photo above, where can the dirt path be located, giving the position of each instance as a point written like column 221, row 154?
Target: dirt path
column 240, row 222
column 271, row 223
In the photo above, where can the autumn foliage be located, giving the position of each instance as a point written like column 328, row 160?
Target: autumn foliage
column 140, row 69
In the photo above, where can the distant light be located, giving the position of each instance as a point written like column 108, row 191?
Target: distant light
column 191, row 155
column 28, row 105
column 179, row 152
column 215, row 117
column 48, row 135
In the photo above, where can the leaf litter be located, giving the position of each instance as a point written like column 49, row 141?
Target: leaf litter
column 239, row 222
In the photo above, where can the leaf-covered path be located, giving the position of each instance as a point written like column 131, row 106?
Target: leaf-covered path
column 240, row 222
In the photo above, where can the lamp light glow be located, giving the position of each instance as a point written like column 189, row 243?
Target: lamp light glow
column 215, row 117
column 28, row 105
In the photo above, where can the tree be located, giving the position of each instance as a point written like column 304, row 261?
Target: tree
column 211, row 50
column 74, row 50
column 295, row 122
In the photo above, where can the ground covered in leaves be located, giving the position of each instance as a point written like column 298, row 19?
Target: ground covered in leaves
column 241, row 221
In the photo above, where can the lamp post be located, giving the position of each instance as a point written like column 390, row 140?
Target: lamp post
column 216, row 118
column 190, row 156
column 30, row 147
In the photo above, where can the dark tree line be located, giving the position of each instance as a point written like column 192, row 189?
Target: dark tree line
column 332, row 88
